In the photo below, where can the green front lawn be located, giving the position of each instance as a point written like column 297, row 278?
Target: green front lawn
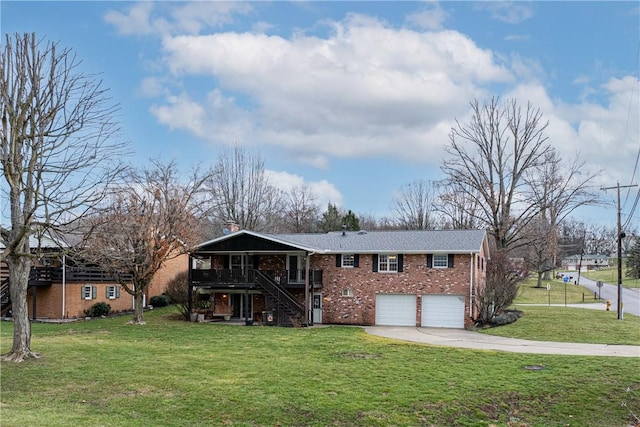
column 528, row 293
column 173, row 373
column 610, row 275
column 543, row 323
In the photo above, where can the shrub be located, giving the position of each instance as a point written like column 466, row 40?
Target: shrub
column 159, row 301
column 178, row 289
column 506, row 317
column 98, row 309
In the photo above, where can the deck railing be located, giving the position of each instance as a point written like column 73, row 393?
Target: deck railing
column 289, row 278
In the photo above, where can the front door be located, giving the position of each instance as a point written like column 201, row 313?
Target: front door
column 317, row 308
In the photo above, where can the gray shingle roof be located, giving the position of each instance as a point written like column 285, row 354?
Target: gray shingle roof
column 447, row 241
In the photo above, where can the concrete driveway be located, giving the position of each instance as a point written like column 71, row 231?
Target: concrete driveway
column 477, row 341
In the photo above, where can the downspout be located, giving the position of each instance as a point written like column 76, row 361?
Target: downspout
column 64, row 285
column 472, row 263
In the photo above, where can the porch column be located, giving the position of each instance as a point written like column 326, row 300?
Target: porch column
column 190, row 289
column 307, row 312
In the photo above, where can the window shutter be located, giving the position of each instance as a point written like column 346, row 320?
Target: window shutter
column 450, row 261
column 400, row 262
column 374, row 262
column 226, row 262
column 429, row 261
column 94, row 292
column 338, row 260
column 356, row 260
column 117, row 291
column 106, row 291
column 82, row 292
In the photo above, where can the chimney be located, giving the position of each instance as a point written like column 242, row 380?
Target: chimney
column 232, row 226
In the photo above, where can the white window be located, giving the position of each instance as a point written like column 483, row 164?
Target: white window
column 348, row 260
column 88, row 292
column 113, row 292
column 440, row 261
column 388, row 263
column 347, row 293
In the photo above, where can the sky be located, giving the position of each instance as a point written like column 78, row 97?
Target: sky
column 356, row 99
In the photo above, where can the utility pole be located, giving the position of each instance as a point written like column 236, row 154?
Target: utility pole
column 621, row 236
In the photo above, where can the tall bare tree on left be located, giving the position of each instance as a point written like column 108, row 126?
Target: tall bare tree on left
column 59, row 152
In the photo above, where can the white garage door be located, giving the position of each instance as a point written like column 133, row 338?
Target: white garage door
column 443, row 311
column 395, row 310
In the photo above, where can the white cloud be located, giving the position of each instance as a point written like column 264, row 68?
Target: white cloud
column 512, row 12
column 431, row 17
column 163, row 18
column 604, row 135
column 367, row 90
column 136, row 20
column 323, row 191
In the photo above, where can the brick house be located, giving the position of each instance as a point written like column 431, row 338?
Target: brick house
column 407, row 278
column 60, row 289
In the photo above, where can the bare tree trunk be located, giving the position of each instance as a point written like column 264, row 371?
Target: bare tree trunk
column 19, row 268
column 539, row 282
column 138, row 309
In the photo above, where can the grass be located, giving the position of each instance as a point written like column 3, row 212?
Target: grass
column 542, row 323
column 173, row 373
column 575, row 294
column 610, row 275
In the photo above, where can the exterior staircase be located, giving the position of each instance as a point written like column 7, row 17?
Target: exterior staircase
column 289, row 311
column 5, row 299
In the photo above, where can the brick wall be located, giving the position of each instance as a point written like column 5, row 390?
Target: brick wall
column 415, row 279
column 168, row 272
column 49, row 299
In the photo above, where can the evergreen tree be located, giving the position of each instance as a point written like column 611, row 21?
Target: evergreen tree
column 331, row 219
column 351, row 221
column 633, row 260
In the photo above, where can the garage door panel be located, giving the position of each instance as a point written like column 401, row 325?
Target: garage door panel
column 396, row 310
column 443, row 311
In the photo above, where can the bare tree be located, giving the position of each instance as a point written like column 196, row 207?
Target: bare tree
column 241, row 192
column 501, row 287
column 414, row 206
column 301, row 212
column 542, row 248
column 489, row 158
column 58, row 155
column 152, row 219
column 559, row 188
column 457, row 209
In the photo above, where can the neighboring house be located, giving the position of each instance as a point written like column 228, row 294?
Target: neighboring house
column 584, row 262
column 405, row 278
column 60, row 289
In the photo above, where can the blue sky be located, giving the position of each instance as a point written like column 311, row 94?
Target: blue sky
column 354, row 99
